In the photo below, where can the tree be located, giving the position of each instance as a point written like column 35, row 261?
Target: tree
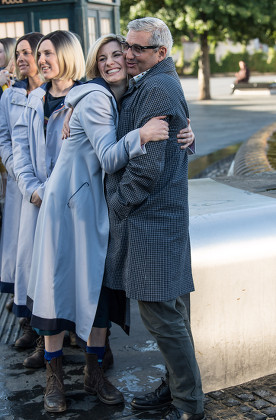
column 209, row 21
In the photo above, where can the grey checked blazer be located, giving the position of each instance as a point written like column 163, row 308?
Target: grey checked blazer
column 149, row 248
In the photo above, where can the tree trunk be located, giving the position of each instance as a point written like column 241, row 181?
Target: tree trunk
column 204, row 68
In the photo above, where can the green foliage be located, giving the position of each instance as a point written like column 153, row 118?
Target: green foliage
column 241, row 20
column 230, row 62
column 259, row 62
column 214, row 66
column 208, row 21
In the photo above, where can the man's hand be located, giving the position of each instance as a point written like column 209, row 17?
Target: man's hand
column 35, row 199
column 186, row 136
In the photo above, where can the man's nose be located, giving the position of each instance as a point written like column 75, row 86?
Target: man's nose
column 129, row 54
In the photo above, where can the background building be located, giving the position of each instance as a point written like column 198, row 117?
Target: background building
column 87, row 18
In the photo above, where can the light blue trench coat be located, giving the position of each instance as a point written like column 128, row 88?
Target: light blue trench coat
column 34, row 159
column 72, row 230
column 12, row 104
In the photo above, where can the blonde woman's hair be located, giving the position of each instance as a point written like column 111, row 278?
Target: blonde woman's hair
column 92, row 70
column 8, row 45
column 69, row 53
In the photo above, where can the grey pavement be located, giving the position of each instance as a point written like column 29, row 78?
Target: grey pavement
column 227, row 119
column 138, row 367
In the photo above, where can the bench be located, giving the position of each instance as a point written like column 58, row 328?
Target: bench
column 254, row 87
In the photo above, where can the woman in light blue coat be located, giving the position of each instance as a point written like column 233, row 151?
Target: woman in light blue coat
column 12, row 104
column 72, row 230
column 37, row 140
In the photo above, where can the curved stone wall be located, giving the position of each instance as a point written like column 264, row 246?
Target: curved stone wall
column 251, row 157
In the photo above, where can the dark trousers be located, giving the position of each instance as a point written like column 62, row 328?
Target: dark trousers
column 168, row 322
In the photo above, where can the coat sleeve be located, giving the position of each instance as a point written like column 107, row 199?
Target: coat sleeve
column 141, row 175
column 5, row 135
column 23, row 167
column 97, row 118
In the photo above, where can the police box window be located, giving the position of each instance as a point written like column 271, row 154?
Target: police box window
column 91, row 30
column 105, row 26
column 12, row 29
column 11, row 2
column 50, row 25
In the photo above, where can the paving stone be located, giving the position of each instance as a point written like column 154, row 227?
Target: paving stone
column 271, row 399
column 256, row 416
column 246, row 397
column 245, row 408
column 217, row 395
column 259, row 404
column 231, row 402
column 270, row 411
column 263, row 393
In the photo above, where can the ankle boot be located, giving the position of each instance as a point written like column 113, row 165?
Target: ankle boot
column 108, row 359
column 29, row 336
column 54, row 398
column 96, row 384
column 36, row 359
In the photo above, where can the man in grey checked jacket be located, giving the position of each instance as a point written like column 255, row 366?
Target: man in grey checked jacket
column 149, row 249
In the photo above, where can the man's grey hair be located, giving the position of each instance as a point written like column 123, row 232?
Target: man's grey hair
column 160, row 33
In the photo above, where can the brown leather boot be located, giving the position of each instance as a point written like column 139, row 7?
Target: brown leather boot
column 108, row 358
column 96, row 384
column 36, row 359
column 29, row 337
column 54, row 397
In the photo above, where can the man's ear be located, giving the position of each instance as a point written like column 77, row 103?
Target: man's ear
column 162, row 52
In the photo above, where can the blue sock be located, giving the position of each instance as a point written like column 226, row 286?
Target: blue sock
column 49, row 355
column 99, row 351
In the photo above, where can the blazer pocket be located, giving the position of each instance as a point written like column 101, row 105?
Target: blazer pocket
column 78, row 196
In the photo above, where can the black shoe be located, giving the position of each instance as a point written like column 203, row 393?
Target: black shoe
column 174, row 413
column 159, row 398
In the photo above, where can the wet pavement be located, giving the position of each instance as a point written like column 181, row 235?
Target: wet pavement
column 138, row 367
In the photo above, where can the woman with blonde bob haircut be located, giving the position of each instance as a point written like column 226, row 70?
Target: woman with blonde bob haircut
column 65, row 289
column 37, row 140
column 67, row 48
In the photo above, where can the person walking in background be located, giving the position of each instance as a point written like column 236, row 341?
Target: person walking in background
column 37, row 139
column 242, row 76
column 12, row 104
column 149, row 248
column 72, row 229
